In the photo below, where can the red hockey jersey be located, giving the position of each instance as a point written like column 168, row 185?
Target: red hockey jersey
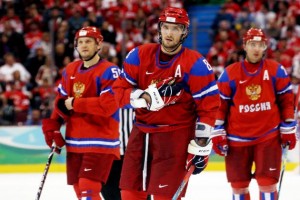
column 200, row 99
column 93, row 124
column 253, row 104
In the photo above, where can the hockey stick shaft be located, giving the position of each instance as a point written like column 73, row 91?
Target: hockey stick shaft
column 183, row 183
column 285, row 149
column 284, row 161
column 50, row 156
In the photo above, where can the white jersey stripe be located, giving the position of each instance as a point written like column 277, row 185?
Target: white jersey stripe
column 205, row 92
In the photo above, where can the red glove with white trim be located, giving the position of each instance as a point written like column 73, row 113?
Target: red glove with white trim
column 51, row 130
column 159, row 94
column 169, row 91
column 219, row 139
column 288, row 134
column 164, row 93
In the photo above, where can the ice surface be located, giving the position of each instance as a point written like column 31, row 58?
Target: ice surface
column 205, row 186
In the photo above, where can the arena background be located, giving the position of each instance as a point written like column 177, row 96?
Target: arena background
column 22, row 148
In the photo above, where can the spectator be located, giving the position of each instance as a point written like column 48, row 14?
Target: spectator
column 34, row 34
column 15, row 42
column 7, row 70
column 13, row 19
column 76, row 20
column 20, row 101
column 108, row 33
column 94, row 19
column 4, row 47
column 35, row 118
column 44, row 43
column 33, row 64
column 47, row 72
column 32, row 16
column 59, row 55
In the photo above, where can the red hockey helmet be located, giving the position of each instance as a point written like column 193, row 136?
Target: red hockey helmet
column 174, row 15
column 254, row 34
column 89, row 31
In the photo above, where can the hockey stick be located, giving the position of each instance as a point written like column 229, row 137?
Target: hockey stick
column 50, row 156
column 183, row 182
column 284, row 161
column 285, row 148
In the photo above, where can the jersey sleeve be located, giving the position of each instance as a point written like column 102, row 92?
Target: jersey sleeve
column 128, row 79
column 205, row 92
column 104, row 104
column 285, row 94
column 225, row 95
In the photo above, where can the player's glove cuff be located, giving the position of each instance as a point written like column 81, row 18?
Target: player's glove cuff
column 219, row 139
column 198, row 156
column 203, row 130
column 157, row 102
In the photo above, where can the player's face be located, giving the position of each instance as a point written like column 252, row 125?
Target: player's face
column 171, row 34
column 86, row 47
column 255, row 51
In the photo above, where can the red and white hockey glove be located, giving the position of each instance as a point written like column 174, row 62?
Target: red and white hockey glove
column 51, row 130
column 135, row 98
column 219, row 139
column 198, row 155
column 169, row 90
column 163, row 93
column 288, row 134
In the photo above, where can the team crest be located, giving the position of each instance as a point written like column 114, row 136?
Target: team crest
column 253, row 92
column 155, row 81
column 78, row 89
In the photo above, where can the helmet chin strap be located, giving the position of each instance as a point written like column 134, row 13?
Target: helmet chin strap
column 90, row 58
column 175, row 48
column 172, row 50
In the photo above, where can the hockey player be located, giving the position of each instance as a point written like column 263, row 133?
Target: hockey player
column 173, row 91
column 86, row 103
column 255, row 119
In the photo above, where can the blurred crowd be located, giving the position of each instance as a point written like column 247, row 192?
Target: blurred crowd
column 36, row 43
column 279, row 19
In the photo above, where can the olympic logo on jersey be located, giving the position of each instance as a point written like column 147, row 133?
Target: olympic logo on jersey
column 253, row 92
column 78, row 89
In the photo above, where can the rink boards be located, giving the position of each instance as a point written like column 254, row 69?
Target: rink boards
column 23, row 150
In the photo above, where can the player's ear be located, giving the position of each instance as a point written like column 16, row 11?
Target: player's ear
column 99, row 46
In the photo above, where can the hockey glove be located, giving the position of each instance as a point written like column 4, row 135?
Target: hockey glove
column 51, row 130
column 219, row 139
column 135, row 98
column 169, row 90
column 288, row 134
column 198, row 156
column 164, row 93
